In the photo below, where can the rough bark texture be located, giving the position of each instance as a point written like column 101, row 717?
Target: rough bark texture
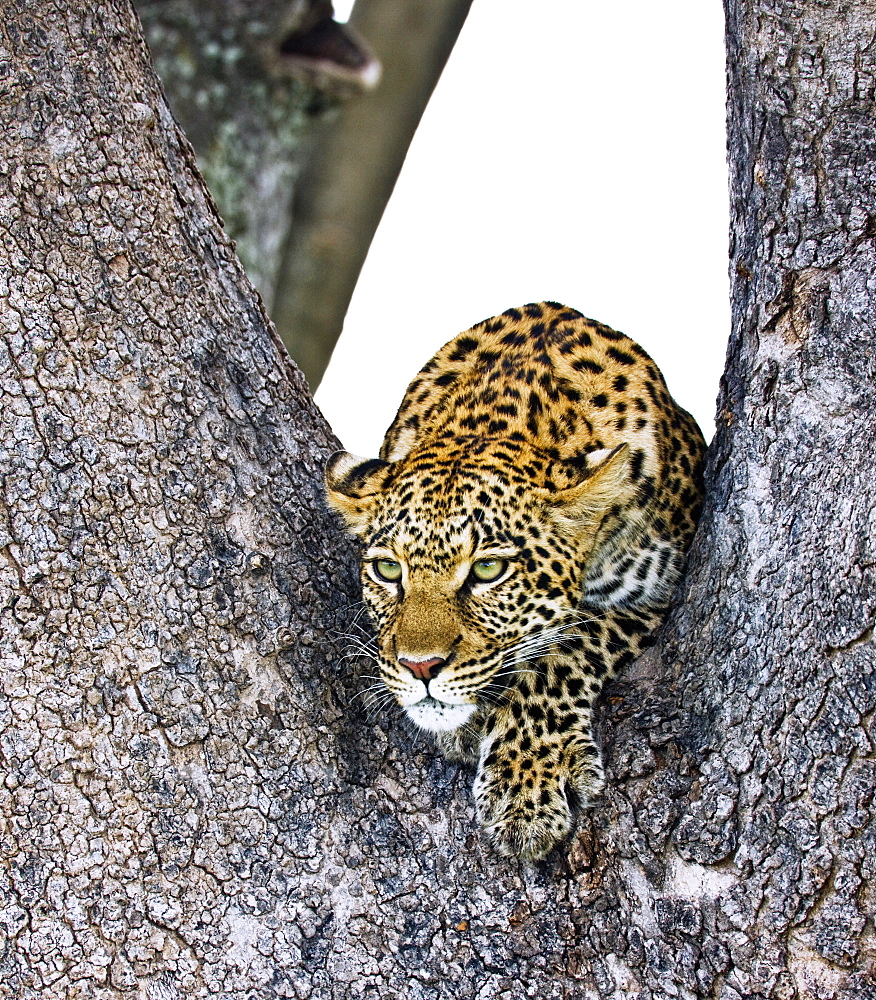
column 757, row 836
column 162, row 538
column 193, row 801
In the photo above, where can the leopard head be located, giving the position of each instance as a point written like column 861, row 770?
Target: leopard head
column 469, row 560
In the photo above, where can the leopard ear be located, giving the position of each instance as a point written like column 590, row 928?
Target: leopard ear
column 352, row 484
column 606, row 482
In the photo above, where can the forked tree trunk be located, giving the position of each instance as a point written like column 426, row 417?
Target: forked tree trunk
column 194, row 802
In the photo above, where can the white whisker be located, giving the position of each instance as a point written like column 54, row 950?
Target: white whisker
column 369, row 691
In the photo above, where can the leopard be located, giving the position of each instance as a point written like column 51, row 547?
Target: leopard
column 522, row 534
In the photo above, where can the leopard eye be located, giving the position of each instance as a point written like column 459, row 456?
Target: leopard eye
column 387, row 569
column 485, row 570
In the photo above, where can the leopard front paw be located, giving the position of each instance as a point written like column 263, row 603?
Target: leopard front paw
column 526, row 803
column 522, row 826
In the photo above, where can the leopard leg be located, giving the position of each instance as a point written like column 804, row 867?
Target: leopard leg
column 539, row 761
column 537, row 766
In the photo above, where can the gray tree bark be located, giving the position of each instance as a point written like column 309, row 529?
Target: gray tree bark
column 194, row 801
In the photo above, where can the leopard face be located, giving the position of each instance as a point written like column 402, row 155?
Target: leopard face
column 522, row 533
column 486, row 562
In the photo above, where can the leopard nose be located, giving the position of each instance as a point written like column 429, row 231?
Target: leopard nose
column 424, row 669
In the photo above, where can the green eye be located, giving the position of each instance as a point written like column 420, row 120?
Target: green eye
column 485, row 570
column 387, row 569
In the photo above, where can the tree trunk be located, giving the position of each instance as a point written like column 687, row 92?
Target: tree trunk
column 195, row 803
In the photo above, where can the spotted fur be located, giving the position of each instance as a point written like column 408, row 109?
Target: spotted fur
column 544, row 448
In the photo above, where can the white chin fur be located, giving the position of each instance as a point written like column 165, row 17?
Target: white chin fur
column 438, row 716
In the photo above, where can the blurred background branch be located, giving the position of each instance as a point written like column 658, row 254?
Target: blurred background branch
column 352, row 169
column 301, row 126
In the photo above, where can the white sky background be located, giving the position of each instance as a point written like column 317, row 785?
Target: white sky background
column 572, row 151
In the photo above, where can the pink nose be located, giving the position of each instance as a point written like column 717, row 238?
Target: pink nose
column 424, row 669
